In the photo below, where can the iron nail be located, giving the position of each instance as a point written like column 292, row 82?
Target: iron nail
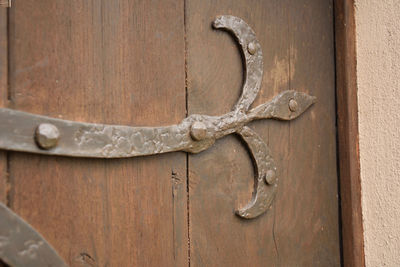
column 251, row 47
column 198, row 131
column 47, row 135
column 270, row 176
column 293, row 105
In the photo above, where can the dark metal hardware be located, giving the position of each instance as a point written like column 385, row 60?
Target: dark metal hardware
column 20, row 131
column 21, row 245
column 46, row 135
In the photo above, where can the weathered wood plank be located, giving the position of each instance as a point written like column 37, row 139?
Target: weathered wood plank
column 301, row 228
column 307, row 224
column 218, row 237
column 3, row 97
column 3, row 100
column 118, row 62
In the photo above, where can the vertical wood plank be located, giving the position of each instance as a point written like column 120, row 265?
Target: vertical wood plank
column 349, row 159
column 3, row 97
column 301, row 228
column 3, row 100
column 218, row 237
column 119, row 62
column 312, row 181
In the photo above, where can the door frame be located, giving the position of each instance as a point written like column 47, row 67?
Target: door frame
column 352, row 235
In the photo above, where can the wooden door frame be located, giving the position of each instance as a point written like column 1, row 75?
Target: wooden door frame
column 347, row 127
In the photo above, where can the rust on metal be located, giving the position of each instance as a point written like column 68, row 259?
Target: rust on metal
column 194, row 134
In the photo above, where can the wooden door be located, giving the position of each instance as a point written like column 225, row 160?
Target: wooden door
column 150, row 63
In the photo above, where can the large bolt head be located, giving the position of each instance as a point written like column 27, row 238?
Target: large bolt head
column 47, row 135
column 270, row 177
column 198, row 131
column 293, row 105
column 251, row 48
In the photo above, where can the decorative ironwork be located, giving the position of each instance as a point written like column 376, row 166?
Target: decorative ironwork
column 20, row 131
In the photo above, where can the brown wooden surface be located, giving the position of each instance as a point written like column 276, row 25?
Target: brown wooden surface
column 302, row 227
column 349, row 159
column 3, row 102
column 118, row 62
column 123, row 62
column 3, row 98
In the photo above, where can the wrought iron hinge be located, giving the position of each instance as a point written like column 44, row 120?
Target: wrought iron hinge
column 20, row 131
column 21, row 245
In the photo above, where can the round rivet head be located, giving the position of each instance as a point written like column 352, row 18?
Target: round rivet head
column 47, row 135
column 270, row 177
column 293, row 105
column 198, row 131
column 251, row 47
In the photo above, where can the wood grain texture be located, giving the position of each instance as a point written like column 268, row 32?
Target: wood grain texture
column 349, row 158
column 3, row 97
column 4, row 186
column 119, row 62
column 302, row 227
column 312, row 174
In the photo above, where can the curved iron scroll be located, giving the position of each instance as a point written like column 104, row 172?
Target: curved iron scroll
column 194, row 134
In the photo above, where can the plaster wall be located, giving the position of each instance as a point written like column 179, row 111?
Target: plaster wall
column 378, row 75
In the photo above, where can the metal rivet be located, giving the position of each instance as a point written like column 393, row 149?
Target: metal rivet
column 293, row 105
column 198, row 131
column 270, row 177
column 251, row 47
column 47, row 135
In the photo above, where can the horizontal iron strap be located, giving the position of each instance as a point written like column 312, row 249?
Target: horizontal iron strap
column 17, row 132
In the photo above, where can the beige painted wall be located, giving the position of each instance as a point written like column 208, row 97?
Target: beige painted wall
column 378, row 75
